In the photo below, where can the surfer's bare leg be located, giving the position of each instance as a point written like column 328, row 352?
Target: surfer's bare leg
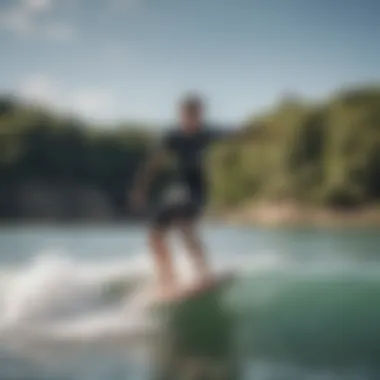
column 163, row 261
column 195, row 249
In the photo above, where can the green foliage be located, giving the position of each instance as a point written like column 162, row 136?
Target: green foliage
column 44, row 148
column 326, row 154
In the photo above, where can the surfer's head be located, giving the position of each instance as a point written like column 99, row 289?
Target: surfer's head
column 191, row 111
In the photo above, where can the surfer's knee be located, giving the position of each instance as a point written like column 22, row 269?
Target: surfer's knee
column 189, row 236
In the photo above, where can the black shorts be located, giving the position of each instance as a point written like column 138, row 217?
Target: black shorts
column 167, row 215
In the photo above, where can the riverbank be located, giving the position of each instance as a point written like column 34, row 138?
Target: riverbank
column 266, row 214
column 287, row 213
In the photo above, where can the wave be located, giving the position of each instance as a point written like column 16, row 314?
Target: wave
column 56, row 295
column 290, row 309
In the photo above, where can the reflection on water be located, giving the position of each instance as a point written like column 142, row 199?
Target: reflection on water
column 196, row 340
column 199, row 340
column 306, row 306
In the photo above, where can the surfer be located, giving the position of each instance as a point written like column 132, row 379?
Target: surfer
column 182, row 202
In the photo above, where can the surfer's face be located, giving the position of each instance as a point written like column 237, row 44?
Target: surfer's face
column 191, row 117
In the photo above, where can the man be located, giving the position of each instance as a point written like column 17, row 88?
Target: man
column 183, row 202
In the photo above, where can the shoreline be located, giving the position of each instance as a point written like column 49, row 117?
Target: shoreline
column 282, row 214
column 250, row 214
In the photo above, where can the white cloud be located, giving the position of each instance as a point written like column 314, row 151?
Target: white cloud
column 89, row 102
column 37, row 5
column 15, row 20
column 34, row 18
column 92, row 102
column 39, row 18
column 21, row 16
column 40, row 89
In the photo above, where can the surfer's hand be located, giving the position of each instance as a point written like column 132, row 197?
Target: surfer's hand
column 137, row 199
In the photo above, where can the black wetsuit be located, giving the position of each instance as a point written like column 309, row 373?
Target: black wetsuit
column 187, row 192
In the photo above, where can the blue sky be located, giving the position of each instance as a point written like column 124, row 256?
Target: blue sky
column 131, row 59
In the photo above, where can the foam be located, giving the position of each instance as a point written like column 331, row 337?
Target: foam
column 55, row 292
column 63, row 298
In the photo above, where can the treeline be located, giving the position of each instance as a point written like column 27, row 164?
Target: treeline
column 325, row 154
column 60, row 168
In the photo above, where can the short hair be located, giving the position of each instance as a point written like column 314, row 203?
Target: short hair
column 192, row 101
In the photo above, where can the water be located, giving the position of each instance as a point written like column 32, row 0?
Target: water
column 73, row 302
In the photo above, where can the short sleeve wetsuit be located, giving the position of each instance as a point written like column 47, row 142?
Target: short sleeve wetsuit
column 186, row 195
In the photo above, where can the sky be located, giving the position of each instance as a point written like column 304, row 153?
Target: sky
column 114, row 60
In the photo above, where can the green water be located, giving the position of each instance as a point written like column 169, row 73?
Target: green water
column 305, row 306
